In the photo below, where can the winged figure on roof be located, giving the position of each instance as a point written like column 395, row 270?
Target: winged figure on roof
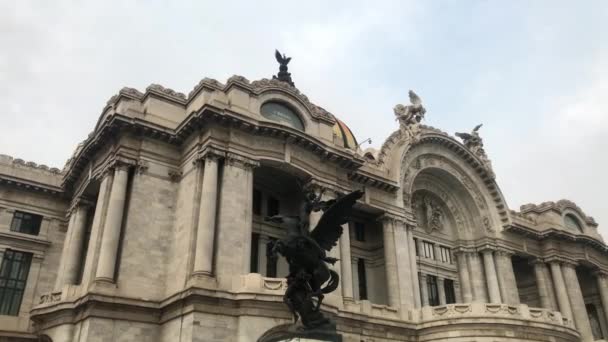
column 410, row 116
column 474, row 143
column 305, row 250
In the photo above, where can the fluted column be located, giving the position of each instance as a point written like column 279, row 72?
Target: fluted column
column 602, row 285
column 74, row 256
column 424, row 290
column 235, row 219
column 541, row 284
column 506, row 277
column 577, row 302
column 111, row 233
column 464, row 278
column 550, row 287
column 560, row 289
column 205, row 231
column 491, row 278
column 441, row 290
column 477, row 278
column 413, row 267
column 346, row 267
column 390, row 262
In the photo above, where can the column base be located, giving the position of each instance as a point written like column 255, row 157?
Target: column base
column 203, row 280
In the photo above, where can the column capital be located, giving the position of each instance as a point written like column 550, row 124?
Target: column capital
column 601, row 273
column 141, row 166
column 561, row 261
column 388, row 217
column 537, row 261
column 208, row 153
column 501, row 251
column 440, row 280
column 423, row 276
column 241, row 161
column 79, row 202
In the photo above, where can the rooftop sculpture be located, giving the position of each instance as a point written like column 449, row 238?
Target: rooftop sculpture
column 283, row 75
column 410, row 116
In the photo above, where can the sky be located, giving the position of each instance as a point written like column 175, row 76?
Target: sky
column 535, row 73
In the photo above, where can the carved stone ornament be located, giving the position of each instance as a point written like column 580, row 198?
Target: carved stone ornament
column 474, row 143
column 409, row 117
column 429, row 214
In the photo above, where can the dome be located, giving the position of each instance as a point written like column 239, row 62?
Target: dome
column 345, row 134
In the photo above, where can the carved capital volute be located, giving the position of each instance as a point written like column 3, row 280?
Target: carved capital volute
column 240, row 161
column 141, row 166
column 503, row 252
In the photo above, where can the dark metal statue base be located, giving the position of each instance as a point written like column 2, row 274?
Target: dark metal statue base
column 288, row 332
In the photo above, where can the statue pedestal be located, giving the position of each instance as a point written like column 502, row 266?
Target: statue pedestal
column 296, row 332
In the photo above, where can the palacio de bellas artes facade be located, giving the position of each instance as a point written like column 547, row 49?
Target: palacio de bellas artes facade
column 154, row 229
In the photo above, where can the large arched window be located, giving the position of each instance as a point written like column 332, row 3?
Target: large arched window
column 281, row 113
column 572, row 223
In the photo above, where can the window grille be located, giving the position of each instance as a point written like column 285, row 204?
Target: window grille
column 13, row 277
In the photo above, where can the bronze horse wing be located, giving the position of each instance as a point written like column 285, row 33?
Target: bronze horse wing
column 329, row 229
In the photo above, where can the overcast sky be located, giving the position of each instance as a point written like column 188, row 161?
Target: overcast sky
column 535, row 73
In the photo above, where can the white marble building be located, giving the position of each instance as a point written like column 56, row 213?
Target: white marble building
column 154, row 230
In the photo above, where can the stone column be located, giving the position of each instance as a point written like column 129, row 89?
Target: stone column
column 205, row 231
column 577, row 302
column 64, row 252
column 560, row 289
column 235, row 219
column 424, row 290
column 390, row 262
column 602, row 285
column 550, row 287
column 464, row 278
column 506, row 277
column 437, row 249
column 73, row 256
column 111, row 233
column 413, row 267
column 402, row 249
column 477, row 278
column 90, row 267
column 262, row 243
column 491, row 278
column 346, row 267
column 541, row 284
column 420, row 248
column 441, row 290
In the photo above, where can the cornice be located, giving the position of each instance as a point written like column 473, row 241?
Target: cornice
column 29, row 185
column 370, row 179
column 557, row 234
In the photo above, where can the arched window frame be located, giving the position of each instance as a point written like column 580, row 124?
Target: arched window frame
column 296, row 113
column 572, row 222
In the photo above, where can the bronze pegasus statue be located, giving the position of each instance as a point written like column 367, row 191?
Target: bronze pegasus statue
column 306, row 254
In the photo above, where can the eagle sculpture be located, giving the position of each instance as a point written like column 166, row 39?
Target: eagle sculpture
column 283, row 60
column 306, row 254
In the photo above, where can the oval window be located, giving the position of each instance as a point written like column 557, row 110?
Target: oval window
column 572, row 223
column 278, row 112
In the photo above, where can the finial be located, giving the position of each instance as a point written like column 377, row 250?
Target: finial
column 283, row 75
